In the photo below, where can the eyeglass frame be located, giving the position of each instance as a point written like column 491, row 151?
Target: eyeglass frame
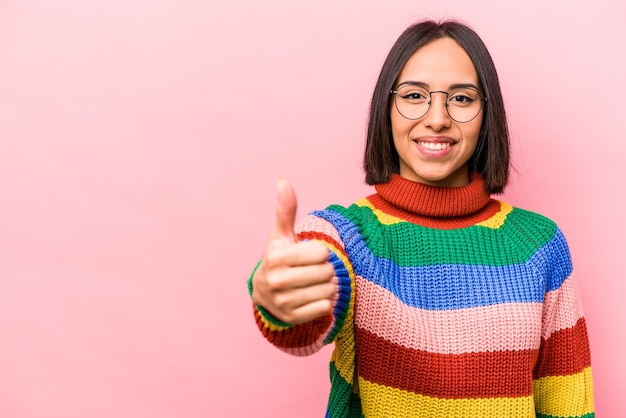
column 483, row 100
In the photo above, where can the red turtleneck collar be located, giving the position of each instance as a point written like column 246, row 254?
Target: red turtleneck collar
column 435, row 206
column 422, row 199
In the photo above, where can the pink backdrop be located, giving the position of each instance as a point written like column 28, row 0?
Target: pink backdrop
column 140, row 142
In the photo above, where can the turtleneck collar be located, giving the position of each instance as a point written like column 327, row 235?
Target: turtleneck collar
column 432, row 201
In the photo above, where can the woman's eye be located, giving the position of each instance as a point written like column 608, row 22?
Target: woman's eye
column 461, row 99
column 414, row 96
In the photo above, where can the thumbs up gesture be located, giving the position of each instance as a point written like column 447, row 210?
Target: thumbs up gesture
column 295, row 279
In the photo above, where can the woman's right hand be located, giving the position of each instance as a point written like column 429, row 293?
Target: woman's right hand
column 295, row 281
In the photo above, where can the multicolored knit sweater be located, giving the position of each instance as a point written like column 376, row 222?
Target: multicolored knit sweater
column 450, row 304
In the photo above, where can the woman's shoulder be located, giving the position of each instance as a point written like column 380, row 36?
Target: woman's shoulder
column 536, row 226
column 339, row 216
column 549, row 246
column 352, row 211
column 530, row 217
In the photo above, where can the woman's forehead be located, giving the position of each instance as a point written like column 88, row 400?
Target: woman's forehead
column 439, row 63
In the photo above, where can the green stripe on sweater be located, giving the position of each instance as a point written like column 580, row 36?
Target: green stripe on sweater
column 525, row 231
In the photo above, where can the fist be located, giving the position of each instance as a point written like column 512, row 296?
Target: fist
column 295, row 281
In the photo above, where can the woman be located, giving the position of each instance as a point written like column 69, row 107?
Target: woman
column 441, row 301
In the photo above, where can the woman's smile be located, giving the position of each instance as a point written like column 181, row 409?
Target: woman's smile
column 434, row 146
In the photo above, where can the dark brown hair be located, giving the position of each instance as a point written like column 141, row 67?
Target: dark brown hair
column 491, row 157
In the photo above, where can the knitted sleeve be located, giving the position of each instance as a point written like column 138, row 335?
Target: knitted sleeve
column 308, row 338
column 562, row 383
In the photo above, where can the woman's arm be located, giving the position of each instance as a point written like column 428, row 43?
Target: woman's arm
column 562, row 382
column 301, row 289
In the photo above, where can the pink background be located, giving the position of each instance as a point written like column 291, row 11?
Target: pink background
column 140, row 142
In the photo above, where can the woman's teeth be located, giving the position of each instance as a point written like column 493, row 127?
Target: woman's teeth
column 435, row 146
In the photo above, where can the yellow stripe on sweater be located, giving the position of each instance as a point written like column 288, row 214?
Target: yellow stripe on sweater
column 565, row 396
column 378, row 400
column 344, row 353
column 382, row 217
column 270, row 325
column 497, row 220
column 494, row 222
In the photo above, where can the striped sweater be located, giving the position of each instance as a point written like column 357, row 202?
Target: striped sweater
column 450, row 304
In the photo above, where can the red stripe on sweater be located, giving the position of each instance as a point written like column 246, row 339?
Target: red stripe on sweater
column 452, row 376
column 320, row 236
column 565, row 352
column 302, row 335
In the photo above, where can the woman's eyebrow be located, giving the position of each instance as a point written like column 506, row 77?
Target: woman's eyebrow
column 413, row 83
column 464, row 86
column 426, row 86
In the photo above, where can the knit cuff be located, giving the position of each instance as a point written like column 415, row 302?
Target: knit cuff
column 269, row 319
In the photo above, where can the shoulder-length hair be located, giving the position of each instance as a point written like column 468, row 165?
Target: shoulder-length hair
column 491, row 157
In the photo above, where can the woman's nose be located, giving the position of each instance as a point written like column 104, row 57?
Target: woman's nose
column 437, row 117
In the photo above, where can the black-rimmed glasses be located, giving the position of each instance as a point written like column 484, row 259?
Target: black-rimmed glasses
column 462, row 104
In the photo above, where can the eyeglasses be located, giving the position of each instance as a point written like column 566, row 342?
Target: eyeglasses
column 462, row 104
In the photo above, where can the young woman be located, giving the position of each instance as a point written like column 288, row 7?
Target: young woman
column 441, row 301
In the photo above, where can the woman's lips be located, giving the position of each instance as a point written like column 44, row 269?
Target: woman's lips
column 434, row 146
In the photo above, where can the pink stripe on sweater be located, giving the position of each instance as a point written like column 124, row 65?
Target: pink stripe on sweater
column 562, row 308
column 507, row 326
column 313, row 223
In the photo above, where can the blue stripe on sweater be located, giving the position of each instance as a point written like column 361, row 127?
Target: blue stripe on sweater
column 456, row 286
column 343, row 298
